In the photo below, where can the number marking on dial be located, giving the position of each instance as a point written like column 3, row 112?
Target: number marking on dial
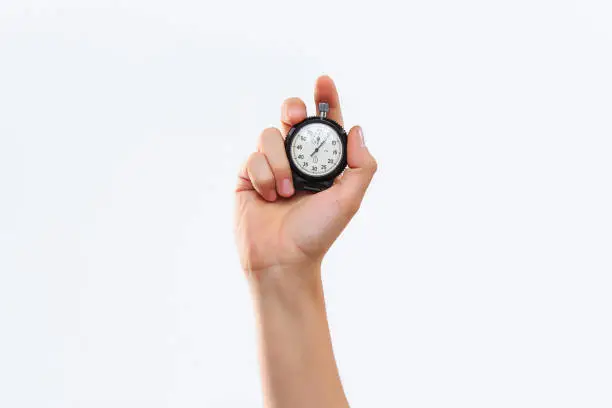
column 319, row 142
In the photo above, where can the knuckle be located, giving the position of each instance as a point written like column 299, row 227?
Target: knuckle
column 294, row 101
column 268, row 182
column 268, row 138
column 270, row 130
column 292, row 109
column 374, row 166
column 252, row 159
column 282, row 170
column 269, row 134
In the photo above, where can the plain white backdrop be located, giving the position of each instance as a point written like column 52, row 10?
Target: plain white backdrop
column 477, row 273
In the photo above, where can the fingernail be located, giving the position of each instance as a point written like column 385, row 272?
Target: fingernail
column 361, row 137
column 286, row 187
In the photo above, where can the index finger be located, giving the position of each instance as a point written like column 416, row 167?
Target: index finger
column 325, row 91
column 293, row 111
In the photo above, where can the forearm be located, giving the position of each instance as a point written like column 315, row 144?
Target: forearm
column 297, row 362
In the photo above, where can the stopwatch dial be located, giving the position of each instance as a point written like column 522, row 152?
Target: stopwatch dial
column 316, row 149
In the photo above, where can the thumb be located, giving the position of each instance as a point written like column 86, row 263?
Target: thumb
column 324, row 215
column 362, row 166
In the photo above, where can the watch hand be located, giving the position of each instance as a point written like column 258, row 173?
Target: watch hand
column 317, row 149
column 323, row 142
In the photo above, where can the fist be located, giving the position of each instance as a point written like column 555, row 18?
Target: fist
column 276, row 226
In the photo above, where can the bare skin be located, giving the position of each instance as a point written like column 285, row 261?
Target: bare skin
column 282, row 237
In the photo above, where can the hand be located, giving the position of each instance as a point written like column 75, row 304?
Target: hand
column 277, row 228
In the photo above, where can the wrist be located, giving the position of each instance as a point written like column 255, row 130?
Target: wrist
column 288, row 283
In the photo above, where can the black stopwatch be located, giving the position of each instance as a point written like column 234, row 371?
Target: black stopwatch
column 316, row 149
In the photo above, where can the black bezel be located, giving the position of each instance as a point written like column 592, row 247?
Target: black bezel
column 343, row 139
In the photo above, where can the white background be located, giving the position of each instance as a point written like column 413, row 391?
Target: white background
column 477, row 274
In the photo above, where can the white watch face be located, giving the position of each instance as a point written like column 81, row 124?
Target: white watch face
column 316, row 149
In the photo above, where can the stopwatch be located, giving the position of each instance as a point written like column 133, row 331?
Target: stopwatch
column 316, row 148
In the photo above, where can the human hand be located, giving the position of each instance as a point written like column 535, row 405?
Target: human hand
column 278, row 228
